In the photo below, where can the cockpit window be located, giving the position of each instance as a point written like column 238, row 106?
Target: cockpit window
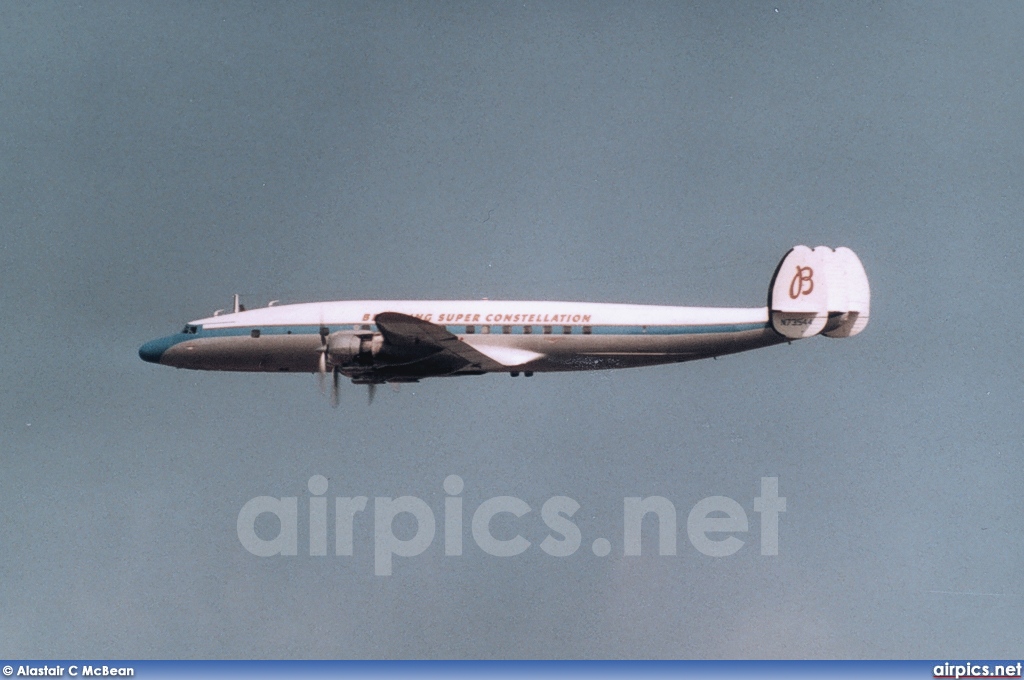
column 190, row 329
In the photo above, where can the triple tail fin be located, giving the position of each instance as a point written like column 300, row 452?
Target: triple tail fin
column 819, row 291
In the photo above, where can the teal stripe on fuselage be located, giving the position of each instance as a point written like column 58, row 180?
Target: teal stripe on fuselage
column 677, row 330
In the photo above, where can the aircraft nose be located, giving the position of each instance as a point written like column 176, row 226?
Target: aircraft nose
column 153, row 350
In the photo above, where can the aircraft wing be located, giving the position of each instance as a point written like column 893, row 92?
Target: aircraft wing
column 414, row 347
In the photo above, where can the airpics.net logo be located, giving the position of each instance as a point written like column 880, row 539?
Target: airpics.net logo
column 712, row 525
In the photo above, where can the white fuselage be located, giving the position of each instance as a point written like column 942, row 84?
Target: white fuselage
column 513, row 335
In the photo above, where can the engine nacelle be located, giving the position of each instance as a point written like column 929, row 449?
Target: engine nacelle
column 347, row 349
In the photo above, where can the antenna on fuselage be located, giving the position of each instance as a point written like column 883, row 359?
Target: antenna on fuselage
column 236, row 307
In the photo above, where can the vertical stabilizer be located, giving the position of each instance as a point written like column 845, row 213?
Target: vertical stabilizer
column 851, row 317
column 798, row 298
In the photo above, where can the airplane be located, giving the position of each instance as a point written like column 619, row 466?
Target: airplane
column 372, row 342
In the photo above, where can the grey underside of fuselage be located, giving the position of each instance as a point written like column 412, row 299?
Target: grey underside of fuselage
column 301, row 353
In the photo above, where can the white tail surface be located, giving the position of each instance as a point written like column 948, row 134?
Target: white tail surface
column 850, row 314
column 799, row 294
column 819, row 291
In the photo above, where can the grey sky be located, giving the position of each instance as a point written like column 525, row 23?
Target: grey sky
column 159, row 157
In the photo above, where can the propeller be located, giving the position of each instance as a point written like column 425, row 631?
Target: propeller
column 322, row 369
column 335, row 372
column 322, row 364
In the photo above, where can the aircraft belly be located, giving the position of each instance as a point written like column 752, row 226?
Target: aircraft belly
column 284, row 353
column 300, row 353
column 592, row 352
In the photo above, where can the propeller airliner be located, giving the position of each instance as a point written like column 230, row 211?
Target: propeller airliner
column 371, row 342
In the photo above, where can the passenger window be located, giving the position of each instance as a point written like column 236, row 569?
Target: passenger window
column 587, row 330
column 485, row 330
column 528, row 330
column 506, row 329
column 255, row 332
column 567, row 330
column 547, row 330
column 470, row 330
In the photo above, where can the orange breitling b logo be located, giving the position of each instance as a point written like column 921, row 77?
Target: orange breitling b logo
column 802, row 283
